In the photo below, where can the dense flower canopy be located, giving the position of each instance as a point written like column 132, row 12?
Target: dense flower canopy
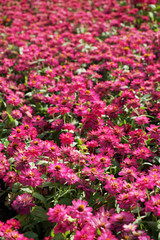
column 80, row 111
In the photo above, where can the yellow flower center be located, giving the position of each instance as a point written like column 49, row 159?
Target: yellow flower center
column 80, row 208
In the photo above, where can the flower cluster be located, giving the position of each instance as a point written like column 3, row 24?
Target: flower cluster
column 23, row 203
column 9, row 230
column 79, row 120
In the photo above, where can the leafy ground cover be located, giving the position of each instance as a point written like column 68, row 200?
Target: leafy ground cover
column 79, row 125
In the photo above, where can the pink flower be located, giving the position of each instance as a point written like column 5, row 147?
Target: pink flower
column 68, row 126
column 57, row 214
column 57, row 170
column 66, row 138
column 142, row 120
column 93, row 172
column 119, row 219
column 92, row 144
column 100, row 161
column 131, row 227
column 10, row 178
column 1, row 147
column 137, row 138
column 31, row 177
column 113, row 185
column 107, row 235
column 79, row 209
column 16, row 114
column 144, row 1
column 57, row 124
column 87, row 233
column 145, row 182
column 13, row 223
column 153, row 205
column 21, row 162
column 142, row 153
column 64, row 226
column 23, row 203
column 101, row 220
column 154, row 132
column 27, row 111
column 13, row 99
column 128, row 173
column 4, row 165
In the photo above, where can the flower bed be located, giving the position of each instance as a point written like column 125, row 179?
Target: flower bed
column 80, row 111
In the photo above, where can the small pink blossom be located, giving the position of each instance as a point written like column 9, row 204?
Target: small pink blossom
column 80, row 209
column 66, row 138
column 153, row 205
column 23, row 203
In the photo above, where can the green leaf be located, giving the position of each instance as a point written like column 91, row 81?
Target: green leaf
column 39, row 214
column 98, row 232
column 145, row 98
column 158, row 225
column 52, row 233
column 5, row 142
column 58, row 236
column 67, row 233
column 138, row 220
column 39, row 196
column 157, row 159
column 15, row 187
column 48, row 184
column 152, row 225
column 26, row 79
column 29, row 94
column 11, row 160
column 158, row 8
column 37, row 61
column 21, row 50
column 11, row 119
column 66, row 201
column 79, row 141
column 31, row 235
column 151, row 15
column 42, row 162
column 9, row 109
column 32, row 165
column 16, row 122
column 26, row 190
column 153, row 6
column 73, row 144
column 80, row 70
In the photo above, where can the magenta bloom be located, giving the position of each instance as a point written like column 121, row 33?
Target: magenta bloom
column 16, row 114
column 31, row 177
column 58, row 170
column 101, row 220
column 80, row 209
column 66, row 138
column 107, row 235
column 153, row 205
column 13, row 99
column 23, row 203
column 69, row 126
column 85, row 234
column 119, row 219
column 57, row 214
column 144, row 1
column 142, row 120
column 4, row 165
